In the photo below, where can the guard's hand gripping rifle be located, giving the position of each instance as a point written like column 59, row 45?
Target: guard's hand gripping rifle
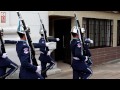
column 29, row 40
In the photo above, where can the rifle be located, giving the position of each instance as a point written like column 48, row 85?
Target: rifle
column 83, row 51
column 2, row 43
column 28, row 39
column 80, row 34
column 43, row 27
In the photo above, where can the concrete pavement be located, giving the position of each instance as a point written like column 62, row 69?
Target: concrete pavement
column 108, row 70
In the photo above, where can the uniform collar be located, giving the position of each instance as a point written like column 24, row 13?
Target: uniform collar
column 23, row 40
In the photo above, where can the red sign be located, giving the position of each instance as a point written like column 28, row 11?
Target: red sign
column 3, row 17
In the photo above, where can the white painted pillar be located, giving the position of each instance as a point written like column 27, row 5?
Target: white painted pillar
column 114, row 33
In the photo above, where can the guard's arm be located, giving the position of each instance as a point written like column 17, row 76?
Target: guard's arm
column 53, row 39
column 10, row 41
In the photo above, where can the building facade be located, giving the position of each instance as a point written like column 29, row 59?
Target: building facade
column 101, row 26
column 9, row 23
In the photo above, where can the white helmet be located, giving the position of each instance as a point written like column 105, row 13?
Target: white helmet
column 41, row 31
column 75, row 30
column 88, row 40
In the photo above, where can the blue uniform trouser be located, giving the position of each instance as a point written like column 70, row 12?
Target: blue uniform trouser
column 80, row 70
column 44, row 60
column 43, row 65
column 83, row 74
column 4, row 65
column 31, row 76
column 89, row 62
column 28, row 74
column 2, row 72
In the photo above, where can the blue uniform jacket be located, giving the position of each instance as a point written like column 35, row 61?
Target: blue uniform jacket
column 76, row 49
column 27, row 70
column 76, row 52
column 41, row 45
column 44, row 49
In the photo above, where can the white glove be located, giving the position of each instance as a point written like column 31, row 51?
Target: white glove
column 38, row 69
column 49, row 53
column 91, row 41
column 86, row 58
column 4, row 55
column 47, row 44
column 57, row 39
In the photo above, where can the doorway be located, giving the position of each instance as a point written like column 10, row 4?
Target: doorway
column 62, row 28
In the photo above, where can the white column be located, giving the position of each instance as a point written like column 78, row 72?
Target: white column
column 114, row 33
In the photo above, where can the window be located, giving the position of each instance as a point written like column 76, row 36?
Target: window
column 99, row 30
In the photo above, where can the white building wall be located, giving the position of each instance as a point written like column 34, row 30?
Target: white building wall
column 10, row 27
column 31, row 19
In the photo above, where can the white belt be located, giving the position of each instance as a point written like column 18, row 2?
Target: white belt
column 76, row 58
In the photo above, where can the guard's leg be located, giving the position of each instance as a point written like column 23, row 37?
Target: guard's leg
column 13, row 67
column 87, row 72
column 9, row 64
column 51, row 63
column 89, row 62
column 75, row 74
column 2, row 72
column 43, row 71
column 40, row 76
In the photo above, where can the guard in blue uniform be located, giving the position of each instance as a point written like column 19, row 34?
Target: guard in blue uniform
column 45, row 57
column 79, row 66
column 27, row 69
column 41, row 46
column 87, row 51
column 7, row 67
column 6, row 63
